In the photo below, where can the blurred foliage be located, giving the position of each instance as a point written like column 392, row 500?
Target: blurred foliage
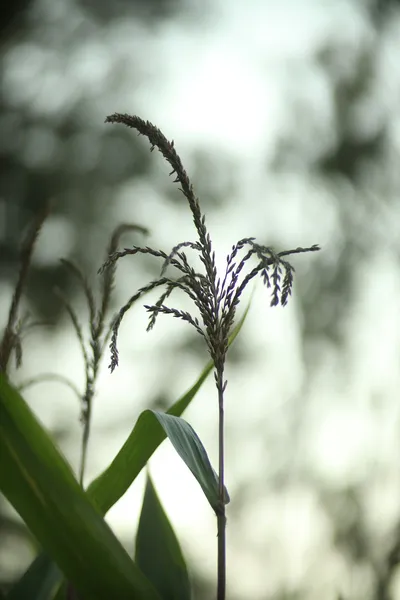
column 357, row 165
column 65, row 154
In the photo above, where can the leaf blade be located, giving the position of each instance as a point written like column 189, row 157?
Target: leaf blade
column 191, row 450
column 40, row 485
column 157, row 551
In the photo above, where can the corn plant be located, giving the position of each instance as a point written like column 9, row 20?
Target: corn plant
column 81, row 556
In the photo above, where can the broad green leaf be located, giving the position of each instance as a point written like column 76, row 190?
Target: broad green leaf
column 144, row 439
column 39, row 582
column 189, row 447
column 40, row 485
column 158, row 553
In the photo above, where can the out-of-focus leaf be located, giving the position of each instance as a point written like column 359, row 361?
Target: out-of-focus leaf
column 39, row 582
column 158, row 553
column 144, row 439
column 38, row 482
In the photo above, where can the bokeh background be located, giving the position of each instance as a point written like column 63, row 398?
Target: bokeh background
column 286, row 115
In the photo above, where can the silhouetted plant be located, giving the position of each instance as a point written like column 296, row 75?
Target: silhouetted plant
column 16, row 326
column 215, row 296
column 99, row 330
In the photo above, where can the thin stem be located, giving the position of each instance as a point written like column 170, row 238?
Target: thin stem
column 85, row 438
column 221, row 518
column 49, row 377
column 97, row 349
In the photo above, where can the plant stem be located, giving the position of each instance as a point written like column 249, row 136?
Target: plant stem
column 85, row 441
column 221, row 519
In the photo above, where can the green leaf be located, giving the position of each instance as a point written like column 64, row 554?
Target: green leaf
column 189, row 447
column 40, row 485
column 158, row 553
column 39, row 582
column 144, row 439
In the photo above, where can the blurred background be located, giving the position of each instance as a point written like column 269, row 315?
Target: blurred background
column 286, row 116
